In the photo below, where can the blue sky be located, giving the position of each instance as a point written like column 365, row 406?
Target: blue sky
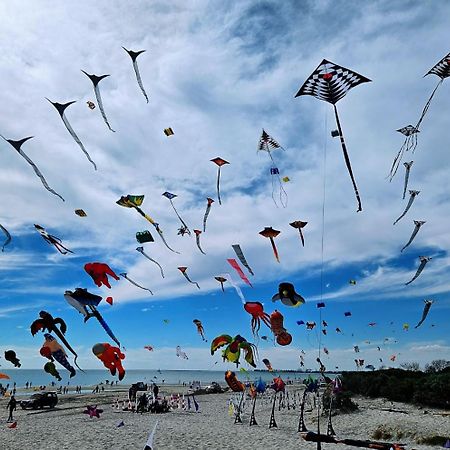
column 217, row 74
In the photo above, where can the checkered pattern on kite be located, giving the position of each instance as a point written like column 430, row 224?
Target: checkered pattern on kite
column 408, row 130
column 266, row 142
column 442, row 68
column 330, row 82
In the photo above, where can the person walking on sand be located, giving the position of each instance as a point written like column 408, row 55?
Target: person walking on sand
column 155, row 390
column 12, row 405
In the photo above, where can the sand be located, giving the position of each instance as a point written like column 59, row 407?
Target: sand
column 66, row 427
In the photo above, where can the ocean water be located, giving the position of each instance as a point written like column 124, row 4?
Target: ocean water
column 160, row 377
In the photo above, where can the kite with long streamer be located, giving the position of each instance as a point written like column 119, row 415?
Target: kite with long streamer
column 412, row 196
column 197, row 240
column 135, row 201
column 237, row 249
column 234, row 264
column 298, row 224
column 52, row 240
column 183, row 271
column 408, row 166
column 95, row 81
column 180, row 353
column 270, row 233
column 221, row 280
column 171, row 196
column 17, row 146
column 124, row 275
column 423, row 262
column 442, row 70
column 229, row 278
column 133, row 56
column 426, row 310
column 8, row 237
column 61, row 108
column 219, row 162
column 142, row 252
column 267, row 143
column 330, row 83
column 209, row 202
column 418, row 224
column 200, row 329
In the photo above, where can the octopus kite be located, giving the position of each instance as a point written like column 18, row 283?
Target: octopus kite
column 233, row 349
column 256, row 310
column 52, row 240
column 111, row 357
column 99, row 273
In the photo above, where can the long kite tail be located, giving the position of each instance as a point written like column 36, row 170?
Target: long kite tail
column 64, row 341
column 8, row 237
column 347, row 159
column 141, row 250
column 419, row 271
column 39, row 174
column 106, row 327
column 407, row 170
column 163, row 239
column 138, row 78
column 179, row 217
column 100, row 105
column 197, row 241
column 208, row 209
column 413, row 235
column 239, row 253
column 427, row 104
column 190, row 281
column 410, row 202
column 77, row 139
column 274, row 248
column 218, row 186
column 136, row 284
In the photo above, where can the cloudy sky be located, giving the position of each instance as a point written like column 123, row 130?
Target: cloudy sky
column 217, row 73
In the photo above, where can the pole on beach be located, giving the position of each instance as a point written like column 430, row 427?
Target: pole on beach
column 237, row 418
column 301, row 423
column 252, row 417
column 273, row 423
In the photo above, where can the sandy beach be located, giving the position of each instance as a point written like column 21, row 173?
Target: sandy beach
column 66, row 427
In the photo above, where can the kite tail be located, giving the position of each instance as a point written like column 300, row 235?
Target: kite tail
column 410, row 202
column 275, row 251
column 419, row 271
column 205, row 217
column 8, row 237
column 301, row 236
column 427, row 104
column 156, row 262
column 162, row 238
column 61, row 249
column 64, row 341
column 197, row 240
column 77, row 140
column 405, row 187
column 413, row 235
column 218, row 186
column 100, row 105
column 396, row 161
column 39, row 174
column 139, row 80
column 239, row 253
column 106, row 328
column 190, row 281
column 135, row 284
column 347, row 159
column 236, row 287
column 221, row 285
column 179, row 217
column 233, row 263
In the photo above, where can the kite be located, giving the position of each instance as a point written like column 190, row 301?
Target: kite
column 347, row 314
column 91, row 105
column 267, row 143
column 288, row 296
column 418, row 224
column 135, row 201
column 93, row 411
column 144, row 236
column 408, row 166
column 352, row 282
column 52, row 350
column 442, row 70
column 10, row 355
column 17, row 146
column 299, row 225
column 197, row 240
column 324, row 332
column 393, row 357
column 3, row 376
column 50, row 368
column 325, row 350
column 237, row 249
column 111, row 358
column 233, row 263
column 149, row 348
column 149, row 444
column 183, row 271
column 53, row 325
column 256, row 310
column 338, row 330
column 405, row 327
column 133, row 56
column 325, row 324
column 300, row 322
column 220, row 162
column 232, row 381
column 180, row 353
column 286, row 179
column 124, row 275
column 276, row 324
column 413, row 195
column 61, row 108
column 171, row 196
column 141, row 251
column 330, row 83
column 310, row 325
column 232, row 352
column 99, row 273
column 86, row 303
column 221, row 280
column 168, row 132
column 356, row 348
column 95, row 81
column 52, row 240
column 423, row 262
column 8, row 237
column 267, row 364
column 321, row 305
column 270, row 233
column 209, row 201
column 425, row 312
column 200, row 329
column 80, row 212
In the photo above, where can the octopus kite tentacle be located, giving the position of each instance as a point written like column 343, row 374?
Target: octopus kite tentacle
column 133, row 56
column 141, row 250
column 8, row 237
column 408, row 166
column 124, row 275
column 418, row 224
column 423, row 262
column 413, row 195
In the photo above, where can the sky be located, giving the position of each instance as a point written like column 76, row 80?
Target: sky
column 217, row 73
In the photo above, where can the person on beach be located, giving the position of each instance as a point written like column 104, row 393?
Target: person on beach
column 155, row 390
column 12, row 405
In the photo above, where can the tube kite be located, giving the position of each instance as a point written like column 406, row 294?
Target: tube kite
column 270, row 233
column 197, row 240
column 219, row 162
column 299, row 225
column 209, row 202
column 124, row 275
column 418, row 224
column 408, row 166
column 133, row 56
column 95, row 81
column 61, row 108
column 17, row 146
column 413, row 195
column 237, row 249
column 426, row 310
column 276, row 324
column 171, row 196
column 183, row 271
column 330, row 83
column 141, row 251
column 233, row 263
column 8, row 237
column 423, row 262
column 52, row 240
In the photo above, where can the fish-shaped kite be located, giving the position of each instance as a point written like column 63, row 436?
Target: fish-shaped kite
column 330, row 83
column 412, row 195
column 423, row 262
column 95, row 81
column 17, row 146
column 237, row 249
column 219, row 162
column 426, row 310
column 124, row 275
column 8, row 237
column 183, row 271
column 418, row 224
column 133, row 56
column 52, row 240
column 141, row 250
